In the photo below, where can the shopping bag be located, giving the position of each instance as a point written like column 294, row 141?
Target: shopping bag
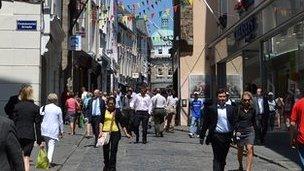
column 42, row 160
column 103, row 140
column 81, row 121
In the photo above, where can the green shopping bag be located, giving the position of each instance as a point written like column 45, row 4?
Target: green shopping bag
column 42, row 160
column 81, row 121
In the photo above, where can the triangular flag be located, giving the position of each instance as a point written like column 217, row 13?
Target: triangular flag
column 148, row 9
column 129, row 7
column 160, row 13
column 156, row 2
column 145, row 17
column 138, row 4
column 175, row 8
column 143, row 2
column 152, row 15
column 152, row 6
column 168, row 11
column 190, row 2
column 144, row 11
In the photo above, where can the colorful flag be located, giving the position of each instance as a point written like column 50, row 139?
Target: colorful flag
column 160, row 13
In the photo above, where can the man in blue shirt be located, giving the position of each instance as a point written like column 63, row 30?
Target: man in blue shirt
column 195, row 110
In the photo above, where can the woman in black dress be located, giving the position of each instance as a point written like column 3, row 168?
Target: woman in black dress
column 27, row 118
column 245, row 121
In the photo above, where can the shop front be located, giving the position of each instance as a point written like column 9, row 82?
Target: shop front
column 264, row 50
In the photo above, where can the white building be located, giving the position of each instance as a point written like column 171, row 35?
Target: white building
column 28, row 48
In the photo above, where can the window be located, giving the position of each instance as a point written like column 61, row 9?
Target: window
column 159, row 72
column 160, row 51
column 170, row 72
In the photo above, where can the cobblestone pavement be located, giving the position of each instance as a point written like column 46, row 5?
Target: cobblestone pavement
column 173, row 152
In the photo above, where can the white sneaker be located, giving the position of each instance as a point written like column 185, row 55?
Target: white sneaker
column 191, row 135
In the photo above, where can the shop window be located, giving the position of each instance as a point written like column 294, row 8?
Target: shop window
column 160, row 51
column 160, row 72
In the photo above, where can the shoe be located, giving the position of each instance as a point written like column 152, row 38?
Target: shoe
column 161, row 135
column 197, row 136
column 241, row 168
column 144, row 142
column 191, row 135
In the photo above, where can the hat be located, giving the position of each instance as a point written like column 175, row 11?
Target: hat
column 270, row 94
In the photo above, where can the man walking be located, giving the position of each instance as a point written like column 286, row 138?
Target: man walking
column 219, row 119
column 171, row 111
column 96, row 107
column 195, row 108
column 297, row 128
column 261, row 107
column 143, row 106
column 127, row 111
column 159, row 112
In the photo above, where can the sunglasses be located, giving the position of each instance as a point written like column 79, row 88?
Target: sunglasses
column 246, row 100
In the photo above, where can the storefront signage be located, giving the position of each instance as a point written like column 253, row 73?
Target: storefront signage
column 75, row 43
column 26, row 25
column 245, row 29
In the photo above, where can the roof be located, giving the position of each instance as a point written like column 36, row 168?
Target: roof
column 162, row 37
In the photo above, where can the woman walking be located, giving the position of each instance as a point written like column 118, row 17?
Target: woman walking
column 26, row 119
column 52, row 124
column 110, row 120
column 71, row 106
column 245, row 135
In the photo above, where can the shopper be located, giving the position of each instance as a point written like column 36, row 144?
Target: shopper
column 297, row 128
column 96, row 107
column 13, row 100
column 143, row 106
column 52, row 124
column 10, row 150
column 28, row 122
column 72, row 106
column 219, row 119
column 110, row 120
column 171, row 111
column 272, row 110
column 159, row 104
column 245, row 135
column 288, row 104
column 87, row 118
column 195, row 107
column 261, row 107
column 127, row 111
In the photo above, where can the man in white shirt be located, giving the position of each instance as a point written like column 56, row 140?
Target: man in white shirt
column 171, row 112
column 159, row 104
column 143, row 107
column 84, row 93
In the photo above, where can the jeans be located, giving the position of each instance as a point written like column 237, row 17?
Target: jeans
column 301, row 154
column 195, row 123
column 110, row 151
column 143, row 118
column 159, row 119
column 50, row 146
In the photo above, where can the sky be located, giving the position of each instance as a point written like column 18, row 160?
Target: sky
column 162, row 6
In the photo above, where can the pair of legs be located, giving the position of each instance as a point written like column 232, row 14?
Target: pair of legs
column 71, row 118
column 220, row 145
column 50, row 147
column 249, row 156
column 129, row 114
column 272, row 117
column 170, row 121
column 159, row 119
column 143, row 118
column 110, row 152
column 195, row 123
column 27, row 147
column 95, row 121
column 261, row 126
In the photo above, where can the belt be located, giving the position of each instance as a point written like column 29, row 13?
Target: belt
column 143, row 111
column 159, row 108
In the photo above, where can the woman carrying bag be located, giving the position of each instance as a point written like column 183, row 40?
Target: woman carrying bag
column 110, row 134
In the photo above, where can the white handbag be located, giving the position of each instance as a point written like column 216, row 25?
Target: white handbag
column 105, row 137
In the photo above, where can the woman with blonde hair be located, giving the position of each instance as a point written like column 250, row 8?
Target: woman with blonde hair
column 27, row 118
column 52, row 124
column 245, row 135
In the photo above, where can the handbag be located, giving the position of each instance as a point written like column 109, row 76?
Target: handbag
column 105, row 138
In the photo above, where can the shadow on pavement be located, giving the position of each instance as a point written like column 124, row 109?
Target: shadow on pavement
column 279, row 142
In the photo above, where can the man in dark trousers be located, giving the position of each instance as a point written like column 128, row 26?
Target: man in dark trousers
column 143, row 106
column 261, row 106
column 219, row 119
column 96, row 108
column 10, row 150
column 13, row 100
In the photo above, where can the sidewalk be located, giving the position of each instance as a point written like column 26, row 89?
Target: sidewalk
column 63, row 149
column 276, row 149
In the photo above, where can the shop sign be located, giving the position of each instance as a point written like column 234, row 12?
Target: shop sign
column 75, row 43
column 245, row 29
column 26, row 25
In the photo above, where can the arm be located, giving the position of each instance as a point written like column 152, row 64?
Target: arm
column 293, row 124
column 38, row 120
column 150, row 106
column 13, row 149
column 133, row 103
column 206, row 121
column 60, row 121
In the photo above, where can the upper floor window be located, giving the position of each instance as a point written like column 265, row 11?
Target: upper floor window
column 160, row 51
column 160, row 72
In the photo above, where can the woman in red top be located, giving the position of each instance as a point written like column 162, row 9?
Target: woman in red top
column 71, row 107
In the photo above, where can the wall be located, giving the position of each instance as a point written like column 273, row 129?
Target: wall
column 19, row 50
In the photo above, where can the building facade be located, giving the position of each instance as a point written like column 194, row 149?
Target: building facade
column 261, row 46
column 194, row 27
column 161, row 62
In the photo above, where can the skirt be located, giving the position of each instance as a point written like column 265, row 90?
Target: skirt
column 26, row 146
column 247, row 136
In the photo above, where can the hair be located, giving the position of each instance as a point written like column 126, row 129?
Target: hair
column 220, row 91
column 247, row 93
column 111, row 98
column 52, row 98
column 26, row 93
column 71, row 94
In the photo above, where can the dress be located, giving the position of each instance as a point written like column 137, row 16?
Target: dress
column 245, row 126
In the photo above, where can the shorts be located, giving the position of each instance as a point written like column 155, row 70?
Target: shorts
column 71, row 117
column 27, row 146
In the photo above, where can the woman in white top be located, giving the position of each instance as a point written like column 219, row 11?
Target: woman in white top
column 52, row 124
